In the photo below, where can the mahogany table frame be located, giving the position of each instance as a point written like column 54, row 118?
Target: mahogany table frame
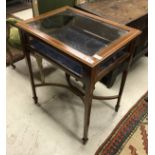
column 91, row 73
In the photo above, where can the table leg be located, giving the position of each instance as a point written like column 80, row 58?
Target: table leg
column 24, row 40
column 131, row 49
column 124, row 76
column 27, row 55
column 87, row 110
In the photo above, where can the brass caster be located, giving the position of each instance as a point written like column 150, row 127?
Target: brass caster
column 84, row 140
column 35, row 100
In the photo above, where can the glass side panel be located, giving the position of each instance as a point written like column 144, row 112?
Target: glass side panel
column 80, row 32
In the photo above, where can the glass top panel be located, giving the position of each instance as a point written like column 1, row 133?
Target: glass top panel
column 80, row 32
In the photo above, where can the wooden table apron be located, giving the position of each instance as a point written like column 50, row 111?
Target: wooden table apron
column 89, row 78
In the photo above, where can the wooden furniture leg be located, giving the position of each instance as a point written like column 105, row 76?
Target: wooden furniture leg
column 89, row 87
column 29, row 64
column 131, row 49
column 87, row 112
column 28, row 59
column 87, row 98
column 124, row 76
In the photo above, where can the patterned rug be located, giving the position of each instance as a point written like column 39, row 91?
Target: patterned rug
column 130, row 136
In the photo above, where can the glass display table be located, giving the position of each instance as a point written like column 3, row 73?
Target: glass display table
column 85, row 46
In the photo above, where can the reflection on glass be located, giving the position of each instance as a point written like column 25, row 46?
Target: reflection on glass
column 78, row 31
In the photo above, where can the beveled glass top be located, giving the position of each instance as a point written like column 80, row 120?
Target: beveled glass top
column 78, row 31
